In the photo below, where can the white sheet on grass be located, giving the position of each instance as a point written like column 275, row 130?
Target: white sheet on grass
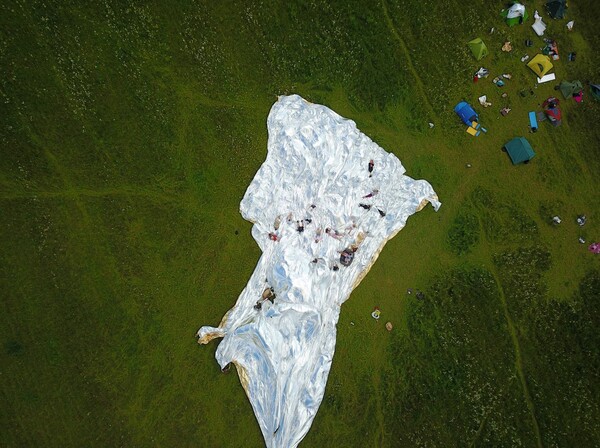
column 316, row 170
column 546, row 78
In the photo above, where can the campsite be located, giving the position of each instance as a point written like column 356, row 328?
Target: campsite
column 130, row 133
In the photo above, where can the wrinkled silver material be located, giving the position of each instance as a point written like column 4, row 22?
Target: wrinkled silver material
column 283, row 351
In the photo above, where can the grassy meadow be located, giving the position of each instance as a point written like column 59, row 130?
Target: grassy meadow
column 129, row 132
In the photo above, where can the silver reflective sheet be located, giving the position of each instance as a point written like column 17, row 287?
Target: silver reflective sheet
column 314, row 178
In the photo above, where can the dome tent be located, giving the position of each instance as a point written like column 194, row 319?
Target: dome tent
column 519, row 150
column 556, row 8
column 478, row 48
column 515, row 15
column 568, row 89
column 552, row 111
column 466, row 113
column 540, row 65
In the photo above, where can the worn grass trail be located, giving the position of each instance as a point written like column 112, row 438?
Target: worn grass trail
column 519, row 364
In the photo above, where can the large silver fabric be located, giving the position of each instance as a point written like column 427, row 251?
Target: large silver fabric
column 314, row 178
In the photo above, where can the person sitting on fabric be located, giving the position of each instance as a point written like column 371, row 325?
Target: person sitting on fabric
column 346, row 257
column 268, row 294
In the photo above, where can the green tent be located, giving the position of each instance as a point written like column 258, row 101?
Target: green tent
column 478, row 48
column 595, row 90
column 568, row 89
column 519, row 150
column 556, row 8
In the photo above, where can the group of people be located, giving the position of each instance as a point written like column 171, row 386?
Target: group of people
column 333, row 233
column 346, row 255
column 372, row 194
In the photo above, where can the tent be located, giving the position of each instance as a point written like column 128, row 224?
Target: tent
column 519, row 150
column 515, row 15
column 540, row 65
column 466, row 113
column 595, row 89
column 568, row 89
column 556, row 8
column 552, row 111
column 554, row 114
column 478, row 48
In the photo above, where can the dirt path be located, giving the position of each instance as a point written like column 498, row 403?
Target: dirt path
column 409, row 63
column 518, row 360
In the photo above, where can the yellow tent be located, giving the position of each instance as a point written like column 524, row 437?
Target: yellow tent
column 540, row 65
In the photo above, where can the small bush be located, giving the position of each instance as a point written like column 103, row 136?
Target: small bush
column 463, row 233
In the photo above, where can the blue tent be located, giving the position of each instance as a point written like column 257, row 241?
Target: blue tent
column 466, row 113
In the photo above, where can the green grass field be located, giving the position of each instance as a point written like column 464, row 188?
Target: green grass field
column 129, row 133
